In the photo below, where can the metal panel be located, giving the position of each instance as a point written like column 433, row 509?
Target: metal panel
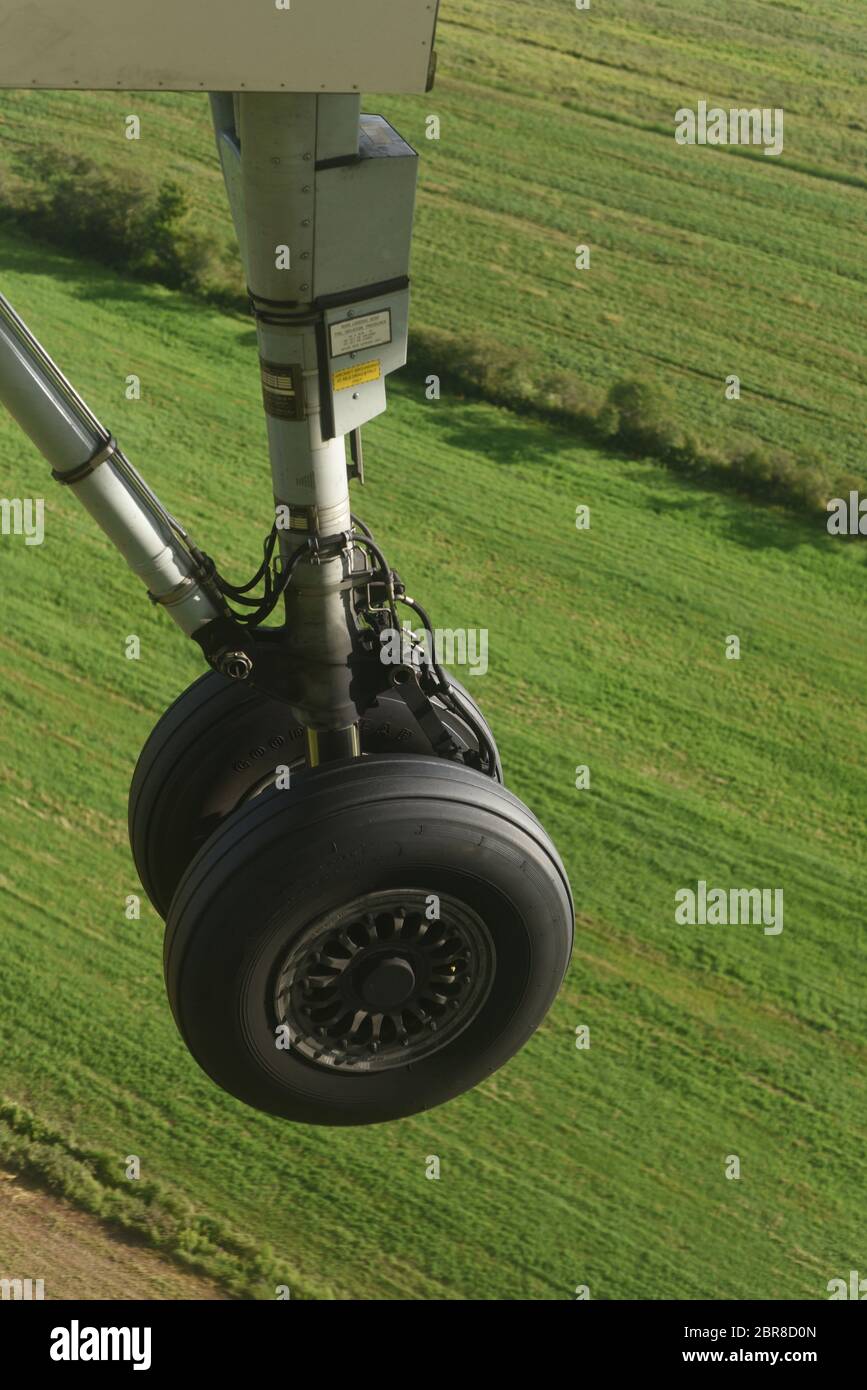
column 218, row 45
column 337, row 120
column 364, row 213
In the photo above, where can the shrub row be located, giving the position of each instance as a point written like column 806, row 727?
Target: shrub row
column 115, row 217
column 110, row 216
column 637, row 417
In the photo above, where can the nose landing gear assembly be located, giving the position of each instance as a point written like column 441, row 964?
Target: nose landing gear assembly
column 361, row 921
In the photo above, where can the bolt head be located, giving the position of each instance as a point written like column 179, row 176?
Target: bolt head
column 236, row 665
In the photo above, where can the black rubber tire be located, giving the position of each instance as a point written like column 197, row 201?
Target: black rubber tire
column 359, row 827
column 214, row 748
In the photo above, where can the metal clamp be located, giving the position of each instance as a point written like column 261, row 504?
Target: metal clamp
column 280, row 311
column 175, row 595
column 70, row 476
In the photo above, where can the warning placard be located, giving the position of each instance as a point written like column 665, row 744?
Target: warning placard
column 283, row 390
column 357, row 376
column 358, row 334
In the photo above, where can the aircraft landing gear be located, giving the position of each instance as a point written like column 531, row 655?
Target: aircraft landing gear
column 361, row 922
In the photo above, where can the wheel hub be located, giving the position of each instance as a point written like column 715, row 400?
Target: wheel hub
column 390, row 983
column 380, row 984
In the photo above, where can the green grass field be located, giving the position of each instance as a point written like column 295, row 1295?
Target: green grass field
column 602, row 1167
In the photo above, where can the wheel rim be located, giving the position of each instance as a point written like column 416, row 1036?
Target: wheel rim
column 378, row 984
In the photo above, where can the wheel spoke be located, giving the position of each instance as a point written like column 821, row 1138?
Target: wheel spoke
column 338, row 963
column 332, row 1018
column 334, row 987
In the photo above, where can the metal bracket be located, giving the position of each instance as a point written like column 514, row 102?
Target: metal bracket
column 356, row 453
column 104, row 454
column 442, row 740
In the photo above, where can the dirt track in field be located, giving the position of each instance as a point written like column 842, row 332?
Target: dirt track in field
column 43, row 1237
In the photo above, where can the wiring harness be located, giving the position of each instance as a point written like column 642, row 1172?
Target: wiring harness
column 379, row 614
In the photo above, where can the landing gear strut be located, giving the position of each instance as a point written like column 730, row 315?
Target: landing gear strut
column 361, row 922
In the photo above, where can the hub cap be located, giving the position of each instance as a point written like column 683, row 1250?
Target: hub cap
column 378, row 984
